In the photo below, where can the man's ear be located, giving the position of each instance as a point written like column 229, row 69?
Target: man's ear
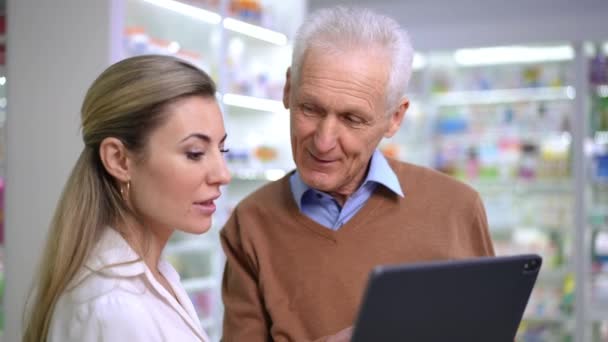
column 396, row 117
column 115, row 159
column 287, row 88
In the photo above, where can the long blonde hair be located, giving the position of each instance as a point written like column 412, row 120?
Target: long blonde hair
column 127, row 101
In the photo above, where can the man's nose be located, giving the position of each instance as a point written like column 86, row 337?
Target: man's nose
column 325, row 138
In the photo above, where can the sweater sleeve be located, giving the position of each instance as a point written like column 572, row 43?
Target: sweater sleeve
column 481, row 230
column 245, row 317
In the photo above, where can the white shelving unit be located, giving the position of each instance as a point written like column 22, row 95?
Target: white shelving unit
column 593, row 208
column 250, row 61
column 499, row 96
column 247, row 53
column 3, row 104
column 475, row 121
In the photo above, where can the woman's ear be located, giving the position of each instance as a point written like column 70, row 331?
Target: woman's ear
column 115, row 159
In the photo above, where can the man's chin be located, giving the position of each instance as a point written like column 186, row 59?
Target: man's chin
column 318, row 180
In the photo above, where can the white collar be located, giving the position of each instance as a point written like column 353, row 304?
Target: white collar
column 112, row 256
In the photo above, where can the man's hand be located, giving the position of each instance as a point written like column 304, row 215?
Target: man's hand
column 342, row 335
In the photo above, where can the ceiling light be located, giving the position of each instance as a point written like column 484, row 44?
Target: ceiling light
column 188, row 10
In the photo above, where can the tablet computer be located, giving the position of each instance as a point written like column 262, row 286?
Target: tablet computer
column 481, row 299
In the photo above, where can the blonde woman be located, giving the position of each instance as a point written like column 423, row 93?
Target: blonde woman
column 152, row 164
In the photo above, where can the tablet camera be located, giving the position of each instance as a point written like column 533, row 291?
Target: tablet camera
column 531, row 266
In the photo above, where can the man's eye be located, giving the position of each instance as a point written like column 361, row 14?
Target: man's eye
column 307, row 109
column 194, row 155
column 353, row 119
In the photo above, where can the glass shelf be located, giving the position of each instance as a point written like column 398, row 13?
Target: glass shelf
column 558, row 185
column 199, row 284
column 255, row 32
column 558, row 319
column 500, row 96
column 598, row 312
column 254, row 103
column 189, row 245
column 208, row 322
column 257, row 174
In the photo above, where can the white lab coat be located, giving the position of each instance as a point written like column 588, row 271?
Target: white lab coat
column 115, row 297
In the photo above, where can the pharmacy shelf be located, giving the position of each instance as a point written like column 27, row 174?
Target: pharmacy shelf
column 198, row 284
column 253, row 103
column 213, row 18
column 598, row 312
column 207, row 323
column 557, row 319
column 553, row 276
column 248, row 174
column 255, row 32
column 189, row 245
column 500, row 96
column 247, row 59
column 558, row 185
column 601, row 90
column 536, row 135
column 503, row 232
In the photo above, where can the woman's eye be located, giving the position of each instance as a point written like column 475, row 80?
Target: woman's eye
column 224, row 150
column 194, row 155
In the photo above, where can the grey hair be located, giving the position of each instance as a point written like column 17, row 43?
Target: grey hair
column 339, row 28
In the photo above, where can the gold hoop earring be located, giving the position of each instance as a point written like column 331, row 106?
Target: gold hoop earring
column 124, row 194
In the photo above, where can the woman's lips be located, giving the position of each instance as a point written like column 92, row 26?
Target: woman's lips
column 206, row 207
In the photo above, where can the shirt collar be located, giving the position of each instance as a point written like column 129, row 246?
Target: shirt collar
column 379, row 172
column 298, row 188
column 382, row 173
column 111, row 256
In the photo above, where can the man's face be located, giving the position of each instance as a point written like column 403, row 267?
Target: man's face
column 338, row 117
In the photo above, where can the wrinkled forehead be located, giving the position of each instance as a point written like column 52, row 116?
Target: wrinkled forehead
column 368, row 68
column 356, row 59
column 349, row 78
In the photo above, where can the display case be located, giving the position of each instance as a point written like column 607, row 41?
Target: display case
column 245, row 46
column 3, row 105
column 595, row 273
column 499, row 119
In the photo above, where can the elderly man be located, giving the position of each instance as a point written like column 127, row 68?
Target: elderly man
column 299, row 250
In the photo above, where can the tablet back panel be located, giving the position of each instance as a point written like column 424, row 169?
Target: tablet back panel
column 469, row 300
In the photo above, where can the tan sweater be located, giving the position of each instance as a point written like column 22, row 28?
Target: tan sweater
column 287, row 278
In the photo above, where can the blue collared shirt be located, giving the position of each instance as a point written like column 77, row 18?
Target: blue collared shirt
column 325, row 210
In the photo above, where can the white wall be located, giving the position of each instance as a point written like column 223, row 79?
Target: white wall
column 448, row 24
column 55, row 50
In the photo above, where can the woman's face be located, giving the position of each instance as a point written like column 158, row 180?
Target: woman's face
column 177, row 182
